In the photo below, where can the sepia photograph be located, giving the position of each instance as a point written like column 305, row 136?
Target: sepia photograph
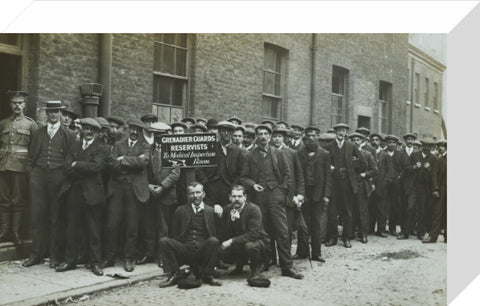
column 252, row 168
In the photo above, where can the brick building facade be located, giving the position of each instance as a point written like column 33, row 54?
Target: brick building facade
column 321, row 79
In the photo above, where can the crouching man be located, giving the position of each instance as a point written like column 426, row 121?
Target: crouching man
column 193, row 239
column 246, row 239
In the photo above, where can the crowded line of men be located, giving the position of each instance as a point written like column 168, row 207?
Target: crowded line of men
column 97, row 190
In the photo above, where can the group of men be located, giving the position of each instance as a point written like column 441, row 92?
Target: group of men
column 98, row 190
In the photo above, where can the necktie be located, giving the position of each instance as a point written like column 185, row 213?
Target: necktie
column 51, row 131
column 130, row 144
column 234, row 214
column 197, row 209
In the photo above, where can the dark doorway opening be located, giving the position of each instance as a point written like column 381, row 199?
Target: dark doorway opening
column 363, row 121
column 9, row 80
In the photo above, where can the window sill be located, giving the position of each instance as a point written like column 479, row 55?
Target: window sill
column 427, row 108
column 417, row 105
column 408, row 102
column 436, row 111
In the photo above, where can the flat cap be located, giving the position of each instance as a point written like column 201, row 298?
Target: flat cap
column 441, row 142
column 391, row 137
column 159, row 127
column 178, row 123
column 312, row 128
column 250, row 125
column 212, row 123
column 297, row 126
column 116, row 120
column 234, row 118
column 341, row 126
column 280, row 130
column 226, row 125
column 17, row 95
column 331, row 131
column 418, row 143
column 284, row 123
column 90, row 122
column 136, row 122
column 186, row 119
column 54, row 105
column 268, row 121
column 409, row 135
column 149, row 117
column 427, row 141
column 263, row 126
column 199, row 126
column 363, row 130
column 259, row 282
column 356, row 134
column 240, row 127
column 202, row 121
column 326, row 136
column 250, row 131
column 376, row 134
column 102, row 121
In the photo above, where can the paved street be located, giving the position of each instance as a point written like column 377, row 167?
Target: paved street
column 383, row 272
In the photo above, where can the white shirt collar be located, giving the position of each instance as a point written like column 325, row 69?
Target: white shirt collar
column 409, row 150
column 131, row 143
column 201, row 205
column 390, row 152
column 340, row 143
column 444, row 153
column 296, row 142
column 149, row 139
column 379, row 149
column 55, row 126
column 87, row 143
column 362, row 145
column 424, row 155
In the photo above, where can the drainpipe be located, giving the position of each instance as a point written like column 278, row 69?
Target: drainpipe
column 412, row 82
column 105, row 74
column 313, row 85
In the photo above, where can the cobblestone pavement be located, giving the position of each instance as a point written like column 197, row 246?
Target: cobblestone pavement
column 383, row 272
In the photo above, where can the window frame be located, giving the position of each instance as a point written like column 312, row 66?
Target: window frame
column 384, row 120
column 283, row 71
column 344, row 96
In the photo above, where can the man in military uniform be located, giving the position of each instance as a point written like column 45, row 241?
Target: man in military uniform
column 15, row 133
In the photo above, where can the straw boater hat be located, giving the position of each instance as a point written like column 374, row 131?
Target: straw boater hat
column 54, row 105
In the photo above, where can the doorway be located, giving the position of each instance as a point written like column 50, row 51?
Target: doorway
column 9, row 80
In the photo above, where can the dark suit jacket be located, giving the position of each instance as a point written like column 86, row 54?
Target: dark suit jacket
column 181, row 220
column 41, row 135
column 166, row 177
column 382, row 178
column 235, row 162
column 87, row 170
column 370, row 174
column 442, row 173
column 300, row 146
column 132, row 167
column 251, row 221
column 406, row 171
column 297, row 185
column 355, row 162
column 426, row 176
column 251, row 172
column 322, row 172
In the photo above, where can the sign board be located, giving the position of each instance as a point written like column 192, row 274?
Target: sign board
column 188, row 150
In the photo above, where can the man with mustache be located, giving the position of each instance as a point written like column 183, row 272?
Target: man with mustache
column 47, row 155
column 192, row 239
column 127, row 190
column 85, row 196
column 15, row 137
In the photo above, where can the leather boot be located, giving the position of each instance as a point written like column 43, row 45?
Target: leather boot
column 4, row 225
column 16, row 218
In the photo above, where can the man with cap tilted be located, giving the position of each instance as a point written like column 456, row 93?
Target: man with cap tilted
column 148, row 120
column 48, row 151
column 296, row 141
column 267, row 173
column 159, row 209
column 85, row 196
column 16, row 132
column 127, row 189
column 407, row 179
column 315, row 162
column 296, row 189
column 67, row 117
column 347, row 161
column 365, row 187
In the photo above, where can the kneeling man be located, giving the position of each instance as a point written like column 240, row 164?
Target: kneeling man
column 247, row 241
column 193, row 239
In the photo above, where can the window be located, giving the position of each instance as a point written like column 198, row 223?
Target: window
column 417, row 88
column 435, row 95
column 363, row 121
column 10, row 39
column 275, row 63
column 384, row 102
column 427, row 92
column 170, row 76
column 338, row 95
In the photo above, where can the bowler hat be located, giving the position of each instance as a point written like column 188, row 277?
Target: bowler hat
column 54, row 105
column 90, row 122
column 136, row 122
column 341, row 126
column 149, row 117
column 264, row 126
column 211, row 123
